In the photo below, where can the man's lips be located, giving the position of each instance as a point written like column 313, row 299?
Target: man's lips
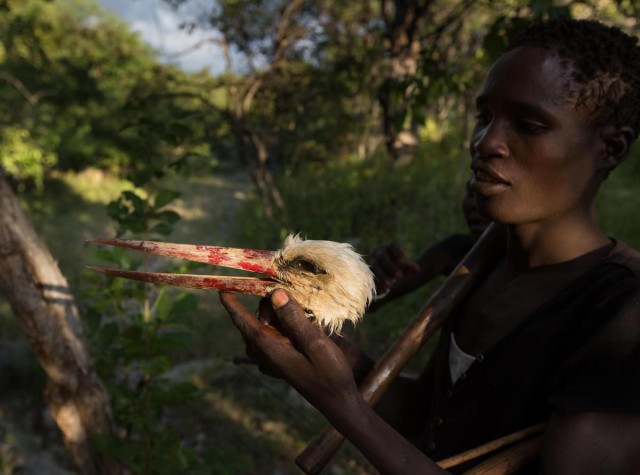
column 486, row 174
column 487, row 182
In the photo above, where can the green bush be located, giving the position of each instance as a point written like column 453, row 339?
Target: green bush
column 22, row 157
column 369, row 203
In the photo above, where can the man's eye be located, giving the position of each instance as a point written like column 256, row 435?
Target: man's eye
column 530, row 127
column 482, row 117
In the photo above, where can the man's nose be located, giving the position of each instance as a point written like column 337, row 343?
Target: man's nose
column 489, row 141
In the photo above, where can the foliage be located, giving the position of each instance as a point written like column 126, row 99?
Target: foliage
column 325, row 81
column 301, row 103
column 90, row 93
column 22, row 158
column 135, row 331
column 305, row 87
column 369, row 204
column 139, row 216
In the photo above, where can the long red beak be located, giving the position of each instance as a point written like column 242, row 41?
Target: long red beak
column 246, row 259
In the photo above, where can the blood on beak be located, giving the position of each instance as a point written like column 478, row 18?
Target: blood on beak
column 246, row 259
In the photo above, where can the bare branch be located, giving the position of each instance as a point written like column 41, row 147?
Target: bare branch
column 22, row 89
column 284, row 35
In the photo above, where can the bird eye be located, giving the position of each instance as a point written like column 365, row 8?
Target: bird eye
column 306, row 266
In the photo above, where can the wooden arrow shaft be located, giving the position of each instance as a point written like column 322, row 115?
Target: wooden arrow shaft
column 473, row 267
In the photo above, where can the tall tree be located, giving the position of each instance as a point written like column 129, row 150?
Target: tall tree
column 78, row 89
column 414, row 33
column 263, row 35
column 44, row 305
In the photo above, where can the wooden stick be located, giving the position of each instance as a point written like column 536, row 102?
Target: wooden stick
column 510, row 460
column 478, row 261
column 491, row 446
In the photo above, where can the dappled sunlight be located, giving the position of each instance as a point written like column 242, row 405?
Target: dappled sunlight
column 209, row 206
column 296, row 135
column 68, row 418
column 93, row 185
column 266, row 420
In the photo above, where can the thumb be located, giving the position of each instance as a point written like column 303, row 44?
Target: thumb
column 293, row 319
column 279, row 298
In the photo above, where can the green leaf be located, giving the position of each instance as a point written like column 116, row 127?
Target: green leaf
column 136, row 227
column 165, row 197
column 138, row 203
column 162, row 228
column 116, row 210
column 167, row 216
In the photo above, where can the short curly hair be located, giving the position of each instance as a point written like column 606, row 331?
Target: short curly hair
column 604, row 63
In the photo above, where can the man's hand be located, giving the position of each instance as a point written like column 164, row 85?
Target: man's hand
column 285, row 343
column 390, row 266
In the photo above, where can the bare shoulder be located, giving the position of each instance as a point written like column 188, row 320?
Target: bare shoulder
column 592, row 443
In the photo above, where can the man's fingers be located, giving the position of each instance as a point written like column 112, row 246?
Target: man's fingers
column 395, row 251
column 390, row 264
column 266, row 314
column 387, row 263
column 293, row 321
column 248, row 325
column 408, row 266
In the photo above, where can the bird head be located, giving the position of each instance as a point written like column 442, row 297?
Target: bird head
column 329, row 279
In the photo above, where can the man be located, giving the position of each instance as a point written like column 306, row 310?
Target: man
column 553, row 333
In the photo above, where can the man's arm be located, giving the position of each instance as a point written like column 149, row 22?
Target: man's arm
column 397, row 275
column 403, row 403
column 289, row 345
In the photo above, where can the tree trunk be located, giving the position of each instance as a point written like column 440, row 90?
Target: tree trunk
column 43, row 303
column 403, row 21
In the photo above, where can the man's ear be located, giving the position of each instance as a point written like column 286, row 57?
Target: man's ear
column 617, row 141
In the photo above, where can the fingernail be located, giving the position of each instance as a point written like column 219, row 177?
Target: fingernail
column 279, row 298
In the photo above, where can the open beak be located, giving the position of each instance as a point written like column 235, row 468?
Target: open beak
column 246, row 259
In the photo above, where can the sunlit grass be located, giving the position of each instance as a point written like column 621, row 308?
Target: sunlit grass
column 93, row 185
column 420, row 202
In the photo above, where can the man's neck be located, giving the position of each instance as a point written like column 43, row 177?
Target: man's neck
column 533, row 245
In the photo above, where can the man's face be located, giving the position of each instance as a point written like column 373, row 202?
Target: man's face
column 534, row 154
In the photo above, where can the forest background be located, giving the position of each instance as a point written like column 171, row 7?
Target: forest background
column 346, row 121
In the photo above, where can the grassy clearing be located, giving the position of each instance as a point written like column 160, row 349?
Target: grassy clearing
column 255, row 424
column 252, row 424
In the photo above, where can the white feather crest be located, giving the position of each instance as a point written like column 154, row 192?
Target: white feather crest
column 340, row 288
